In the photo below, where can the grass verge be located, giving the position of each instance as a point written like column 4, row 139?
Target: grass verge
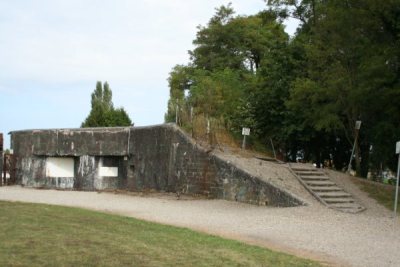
column 382, row 193
column 44, row 235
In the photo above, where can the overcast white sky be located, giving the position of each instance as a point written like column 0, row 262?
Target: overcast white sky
column 53, row 52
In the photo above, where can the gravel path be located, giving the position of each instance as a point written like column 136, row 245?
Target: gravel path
column 366, row 239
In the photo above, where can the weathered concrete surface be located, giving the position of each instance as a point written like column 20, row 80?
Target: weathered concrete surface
column 1, row 159
column 164, row 158
column 160, row 157
column 72, row 142
column 239, row 185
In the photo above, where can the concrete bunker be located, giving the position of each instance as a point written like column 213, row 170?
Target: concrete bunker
column 81, row 159
column 161, row 158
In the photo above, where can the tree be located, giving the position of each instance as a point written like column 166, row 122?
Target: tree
column 179, row 81
column 304, row 92
column 350, row 70
column 103, row 113
column 222, row 76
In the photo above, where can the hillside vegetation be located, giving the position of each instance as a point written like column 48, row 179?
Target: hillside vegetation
column 303, row 92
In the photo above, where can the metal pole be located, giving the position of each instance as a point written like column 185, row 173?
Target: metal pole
column 191, row 120
column 244, row 142
column 352, row 152
column 397, row 188
column 208, row 131
column 273, row 149
column 176, row 113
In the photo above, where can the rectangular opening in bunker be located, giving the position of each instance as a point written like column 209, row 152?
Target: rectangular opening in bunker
column 108, row 166
column 60, row 167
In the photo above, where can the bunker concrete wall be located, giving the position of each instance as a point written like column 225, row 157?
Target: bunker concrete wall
column 31, row 171
column 161, row 158
column 164, row 158
column 1, row 158
column 72, row 142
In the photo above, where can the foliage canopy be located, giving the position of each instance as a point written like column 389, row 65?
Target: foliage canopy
column 103, row 113
column 305, row 92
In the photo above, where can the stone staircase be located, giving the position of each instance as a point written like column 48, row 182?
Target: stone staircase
column 324, row 189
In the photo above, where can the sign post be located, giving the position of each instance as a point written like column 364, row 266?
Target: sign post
column 245, row 132
column 357, row 128
column 176, row 112
column 209, row 132
column 397, row 180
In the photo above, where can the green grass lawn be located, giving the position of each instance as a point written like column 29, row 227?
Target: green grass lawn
column 382, row 193
column 44, row 235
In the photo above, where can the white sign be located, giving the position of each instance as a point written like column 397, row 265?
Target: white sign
column 398, row 147
column 60, row 167
column 108, row 171
column 246, row 131
column 358, row 125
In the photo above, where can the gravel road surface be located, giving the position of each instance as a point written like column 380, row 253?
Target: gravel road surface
column 370, row 238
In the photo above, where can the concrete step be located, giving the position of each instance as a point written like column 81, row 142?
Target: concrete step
column 336, row 200
column 338, row 194
column 320, row 183
column 345, row 205
column 309, row 173
column 304, row 169
column 325, row 188
column 314, row 177
column 351, row 210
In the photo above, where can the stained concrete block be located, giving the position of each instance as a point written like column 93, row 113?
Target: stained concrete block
column 161, row 158
column 72, row 142
column 1, row 158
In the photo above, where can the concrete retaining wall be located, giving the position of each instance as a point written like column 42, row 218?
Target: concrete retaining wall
column 238, row 185
column 161, row 158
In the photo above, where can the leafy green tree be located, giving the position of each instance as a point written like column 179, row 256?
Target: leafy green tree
column 348, row 73
column 214, row 43
column 304, row 92
column 179, row 82
column 103, row 113
column 222, row 74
